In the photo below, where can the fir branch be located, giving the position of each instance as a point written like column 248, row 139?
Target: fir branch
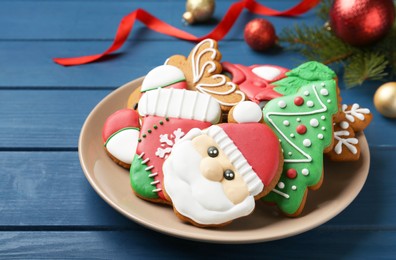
column 324, row 9
column 365, row 66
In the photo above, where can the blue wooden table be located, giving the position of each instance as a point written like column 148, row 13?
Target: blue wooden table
column 47, row 207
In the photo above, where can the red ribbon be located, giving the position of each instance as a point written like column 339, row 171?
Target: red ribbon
column 155, row 24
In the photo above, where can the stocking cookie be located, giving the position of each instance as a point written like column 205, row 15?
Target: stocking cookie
column 303, row 122
column 202, row 70
column 255, row 81
column 353, row 119
column 167, row 115
column 213, row 176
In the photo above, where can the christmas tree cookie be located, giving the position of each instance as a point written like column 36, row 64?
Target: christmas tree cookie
column 303, row 122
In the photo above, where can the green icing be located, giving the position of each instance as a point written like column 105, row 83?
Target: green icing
column 163, row 86
column 302, row 75
column 140, row 179
column 289, row 192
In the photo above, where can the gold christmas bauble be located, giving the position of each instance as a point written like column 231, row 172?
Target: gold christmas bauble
column 385, row 99
column 198, row 11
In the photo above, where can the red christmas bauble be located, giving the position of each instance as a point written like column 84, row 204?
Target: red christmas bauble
column 361, row 22
column 260, row 34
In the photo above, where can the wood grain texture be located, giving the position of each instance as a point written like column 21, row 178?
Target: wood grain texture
column 49, row 189
column 147, row 244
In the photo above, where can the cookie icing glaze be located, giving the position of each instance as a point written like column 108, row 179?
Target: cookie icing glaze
column 355, row 112
column 180, row 104
column 163, row 76
column 303, row 139
column 210, row 87
column 343, row 139
column 255, row 81
column 167, row 115
column 247, row 112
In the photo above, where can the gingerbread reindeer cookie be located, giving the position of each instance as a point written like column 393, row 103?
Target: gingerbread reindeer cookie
column 202, row 70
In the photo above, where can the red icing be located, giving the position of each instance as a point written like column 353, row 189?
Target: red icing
column 298, row 101
column 121, row 119
column 261, row 149
column 291, row 173
column 178, row 85
column 151, row 142
column 301, row 129
column 256, row 88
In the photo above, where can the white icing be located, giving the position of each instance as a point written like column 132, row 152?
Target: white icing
column 194, row 196
column 298, row 119
column 310, row 103
column 286, row 196
column 355, row 111
column 282, row 104
column 323, row 128
column 347, row 142
column 323, row 117
column 268, row 115
column 344, row 125
column 324, row 92
column 281, row 185
column 323, row 84
column 178, row 103
column 122, row 145
column 289, row 153
column 329, row 101
column 306, row 93
column 167, row 144
column 286, row 123
column 314, row 122
column 267, row 72
column 307, row 143
column 320, row 136
column 291, row 135
column 294, row 187
column 305, row 171
column 246, row 112
column 210, row 67
column 162, row 76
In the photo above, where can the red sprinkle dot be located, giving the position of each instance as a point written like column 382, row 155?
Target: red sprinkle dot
column 298, row 101
column 291, row 173
column 301, row 129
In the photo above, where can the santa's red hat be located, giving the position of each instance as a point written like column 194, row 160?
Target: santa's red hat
column 252, row 148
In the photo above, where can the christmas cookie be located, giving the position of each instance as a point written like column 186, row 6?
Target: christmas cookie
column 245, row 112
column 256, row 80
column 303, row 122
column 353, row 119
column 167, row 115
column 202, row 70
column 214, row 176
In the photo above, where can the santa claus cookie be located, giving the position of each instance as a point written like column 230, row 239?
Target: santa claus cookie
column 213, row 176
column 166, row 113
column 353, row 119
column 303, row 122
column 202, row 69
column 256, row 80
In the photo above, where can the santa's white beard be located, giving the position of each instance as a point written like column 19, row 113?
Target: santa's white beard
column 193, row 195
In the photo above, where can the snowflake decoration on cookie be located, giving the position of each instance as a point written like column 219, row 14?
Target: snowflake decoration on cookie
column 167, row 142
column 342, row 138
column 355, row 111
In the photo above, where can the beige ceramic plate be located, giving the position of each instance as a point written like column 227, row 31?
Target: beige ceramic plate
column 342, row 183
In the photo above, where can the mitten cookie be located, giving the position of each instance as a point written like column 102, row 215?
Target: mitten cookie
column 202, row 70
column 256, row 80
column 352, row 119
column 213, row 176
column 303, row 122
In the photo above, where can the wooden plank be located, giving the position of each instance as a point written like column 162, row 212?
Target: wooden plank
column 80, row 20
column 58, row 116
column 49, row 189
column 143, row 244
column 44, row 119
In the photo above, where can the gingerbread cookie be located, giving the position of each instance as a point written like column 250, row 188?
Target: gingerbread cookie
column 202, row 70
column 353, row 119
column 245, row 112
column 303, row 122
column 214, row 176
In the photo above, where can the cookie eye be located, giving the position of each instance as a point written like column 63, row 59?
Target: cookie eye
column 229, row 174
column 213, row 152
